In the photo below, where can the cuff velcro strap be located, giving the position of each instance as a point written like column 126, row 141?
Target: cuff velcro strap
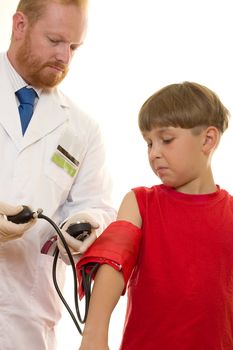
column 117, row 246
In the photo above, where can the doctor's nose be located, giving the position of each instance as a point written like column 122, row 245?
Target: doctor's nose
column 64, row 54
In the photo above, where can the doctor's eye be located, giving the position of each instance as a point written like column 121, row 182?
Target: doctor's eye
column 74, row 47
column 53, row 41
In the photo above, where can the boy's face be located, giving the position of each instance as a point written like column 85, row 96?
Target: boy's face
column 176, row 156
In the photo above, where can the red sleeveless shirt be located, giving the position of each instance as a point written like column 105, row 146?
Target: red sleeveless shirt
column 180, row 295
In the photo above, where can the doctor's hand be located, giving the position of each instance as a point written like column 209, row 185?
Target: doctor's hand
column 8, row 230
column 76, row 246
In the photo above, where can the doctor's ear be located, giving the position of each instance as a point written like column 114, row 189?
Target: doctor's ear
column 20, row 25
column 211, row 139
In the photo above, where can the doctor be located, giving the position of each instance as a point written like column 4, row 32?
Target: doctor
column 56, row 162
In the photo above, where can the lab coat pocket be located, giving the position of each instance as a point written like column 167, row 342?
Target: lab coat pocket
column 64, row 160
column 45, row 298
column 62, row 164
column 60, row 172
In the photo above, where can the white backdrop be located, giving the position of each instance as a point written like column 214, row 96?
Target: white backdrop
column 133, row 48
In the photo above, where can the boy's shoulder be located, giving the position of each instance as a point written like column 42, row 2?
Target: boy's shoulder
column 144, row 193
column 169, row 192
column 146, row 190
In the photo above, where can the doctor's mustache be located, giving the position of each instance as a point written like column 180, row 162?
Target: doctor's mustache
column 60, row 66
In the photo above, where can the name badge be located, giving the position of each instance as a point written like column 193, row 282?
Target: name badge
column 68, row 153
column 66, row 161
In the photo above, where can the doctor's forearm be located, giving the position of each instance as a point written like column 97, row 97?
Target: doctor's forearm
column 107, row 290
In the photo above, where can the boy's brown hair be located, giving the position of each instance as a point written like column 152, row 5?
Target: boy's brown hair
column 185, row 105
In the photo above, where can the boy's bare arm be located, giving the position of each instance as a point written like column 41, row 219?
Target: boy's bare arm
column 108, row 287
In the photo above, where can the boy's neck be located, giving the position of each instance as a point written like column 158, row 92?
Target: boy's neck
column 198, row 187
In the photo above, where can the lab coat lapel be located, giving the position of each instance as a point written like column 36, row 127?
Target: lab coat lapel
column 9, row 114
column 50, row 112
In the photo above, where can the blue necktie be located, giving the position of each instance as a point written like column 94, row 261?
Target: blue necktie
column 26, row 97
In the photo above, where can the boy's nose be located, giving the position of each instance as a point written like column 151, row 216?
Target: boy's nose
column 155, row 152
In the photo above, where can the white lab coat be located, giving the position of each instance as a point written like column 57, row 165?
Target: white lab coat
column 29, row 305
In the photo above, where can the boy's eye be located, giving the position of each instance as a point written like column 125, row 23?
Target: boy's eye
column 167, row 140
column 149, row 144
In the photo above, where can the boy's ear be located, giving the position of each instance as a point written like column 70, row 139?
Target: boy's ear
column 211, row 139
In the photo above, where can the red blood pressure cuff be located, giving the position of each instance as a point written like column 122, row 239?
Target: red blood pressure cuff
column 117, row 246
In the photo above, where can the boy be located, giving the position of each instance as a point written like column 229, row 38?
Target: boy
column 176, row 256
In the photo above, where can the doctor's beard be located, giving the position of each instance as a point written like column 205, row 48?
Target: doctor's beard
column 34, row 71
